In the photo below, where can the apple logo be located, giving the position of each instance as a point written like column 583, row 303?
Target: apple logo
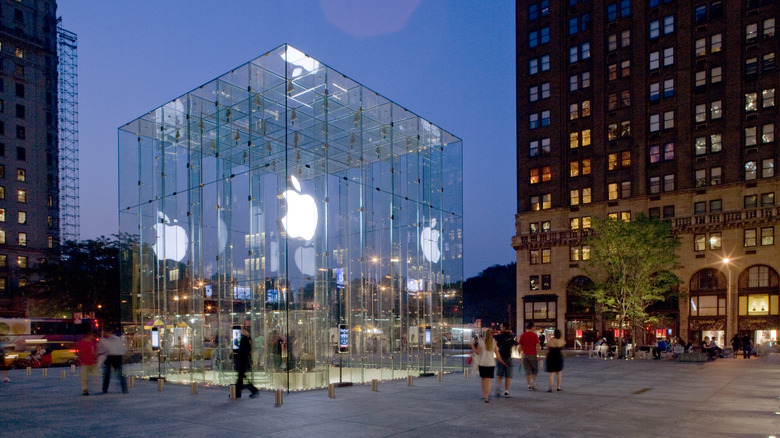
column 429, row 243
column 304, row 260
column 301, row 219
column 171, row 242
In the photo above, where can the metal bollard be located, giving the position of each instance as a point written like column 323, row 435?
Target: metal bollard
column 278, row 398
column 375, row 385
column 73, row 369
column 466, row 373
column 409, row 381
column 194, row 388
column 232, row 391
column 332, row 391
column 62, row 375
column 45, row 372
column 160, row 385
column 29, row 370
column 131, row 381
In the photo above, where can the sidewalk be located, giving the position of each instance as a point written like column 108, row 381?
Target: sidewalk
column 639, row 398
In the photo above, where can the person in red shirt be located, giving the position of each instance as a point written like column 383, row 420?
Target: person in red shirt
column 529, row 344
column 87, row 354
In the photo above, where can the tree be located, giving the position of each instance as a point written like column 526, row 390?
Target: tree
column 630, row 265
column 84, row 278
column 491, row 295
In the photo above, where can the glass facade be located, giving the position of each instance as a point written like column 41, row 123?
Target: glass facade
column 289, row 200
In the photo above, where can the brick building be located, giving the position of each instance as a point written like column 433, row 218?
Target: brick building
column 662, row 107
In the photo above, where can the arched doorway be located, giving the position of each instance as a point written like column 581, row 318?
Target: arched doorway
column 707, row 306
column 758, row 318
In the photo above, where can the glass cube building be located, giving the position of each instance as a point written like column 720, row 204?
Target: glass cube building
column 286, row 199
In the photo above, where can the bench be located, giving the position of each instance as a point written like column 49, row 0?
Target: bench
column 696, row 356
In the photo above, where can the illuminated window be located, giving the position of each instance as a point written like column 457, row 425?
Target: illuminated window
column 612, row 191
column 21, row 195
column 574, row 197
column 767, row 236
column 751, row 101
column 21, row 175
column 749, row 237
column 574, row 223
column 22, row 217
column 534, row 257
column 574, row 169
column 586, row 195
column 546, row 255
column 22, row 239
column 546, row 174
column 21, row 261
column 699, row 242
column 715, row 240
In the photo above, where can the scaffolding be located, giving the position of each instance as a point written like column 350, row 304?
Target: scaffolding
column 68, row 108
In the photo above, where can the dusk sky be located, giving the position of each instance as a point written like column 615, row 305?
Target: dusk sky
column 451, row 62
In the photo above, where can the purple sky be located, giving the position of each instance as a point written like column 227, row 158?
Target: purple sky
column 451, row 62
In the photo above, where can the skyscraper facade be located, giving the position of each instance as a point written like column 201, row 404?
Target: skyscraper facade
column 661, row 107
column 29, row 202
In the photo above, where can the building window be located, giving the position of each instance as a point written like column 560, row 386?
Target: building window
column 655, row 153
column 767, row 236
column 749, row 201
column 21, row 261
column 750, row 136
column 769, row 27
column 768, row 133
column 21, row 196
column 716, row 176
column 699, row 208
column 655, row 184
column 749, row 237
column 586, row 195
column 767, row 199
column 574, row 197
column 540, row 202
column 669, row 120
column 708, row 305
column 3, row 261
column 700, row 177
column 716, row 74
column 715, row 142
column 758, row 276
column 625, row 38
column 22, row 239
column 536, row 146
column 715, row 240
column 21, row 175
column 612, row 191
column 534, row 282
column 699, row 242
column 655, row 29
column 22, row 217
column 716, row 109
column 768, row 98
column 751, row 32
column 750, row 170
column 655, row 60
column 546, row 256
column 669, row 183
column 668, row 56
column 534, row 257
column 768, row 168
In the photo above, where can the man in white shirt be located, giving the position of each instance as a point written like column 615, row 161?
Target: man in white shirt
column 112, row 347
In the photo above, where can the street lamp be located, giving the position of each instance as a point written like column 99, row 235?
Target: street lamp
column 730, row 311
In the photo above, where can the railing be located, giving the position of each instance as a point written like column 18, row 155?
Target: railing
column 680, row 225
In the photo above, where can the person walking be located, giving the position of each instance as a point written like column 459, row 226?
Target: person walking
column 486, row 352
column 555, row 358
column 86, row 352
column 505, row 341
column 243, row 363
column 530, row 346
column 736, row 343
column 113, row 349
column 747, row 346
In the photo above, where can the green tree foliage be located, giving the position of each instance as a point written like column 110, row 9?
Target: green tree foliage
column 631, row 266
column 491, row 295
column 85, row 278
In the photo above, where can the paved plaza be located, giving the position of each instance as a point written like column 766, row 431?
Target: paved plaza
column 638, row 398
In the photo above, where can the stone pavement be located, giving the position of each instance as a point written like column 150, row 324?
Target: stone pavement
column 638, row 398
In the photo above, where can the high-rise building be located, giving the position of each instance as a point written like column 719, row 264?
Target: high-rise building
column 661, row 107
column 29, row 177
